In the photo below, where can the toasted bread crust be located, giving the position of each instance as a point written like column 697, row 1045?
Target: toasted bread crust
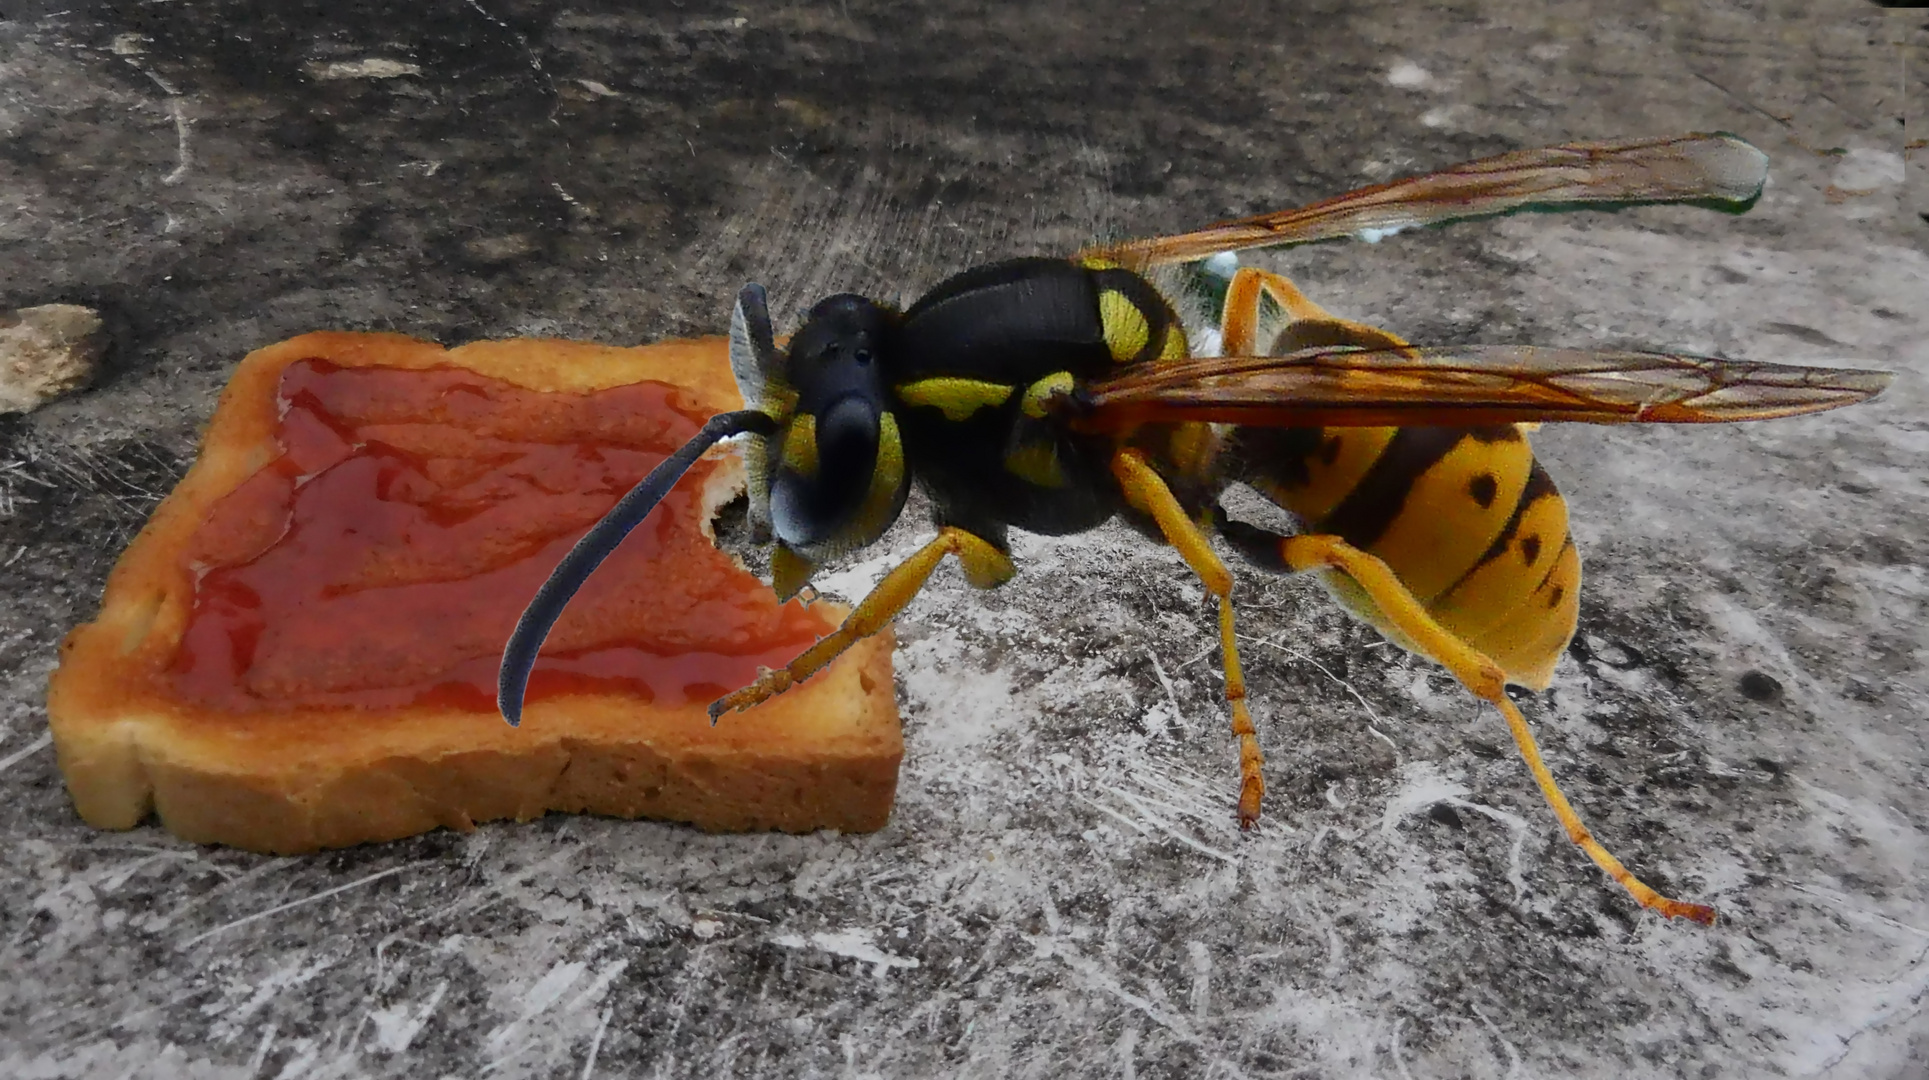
column 824, row 755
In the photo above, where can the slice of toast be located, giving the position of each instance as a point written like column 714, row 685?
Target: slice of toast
column 284, row 675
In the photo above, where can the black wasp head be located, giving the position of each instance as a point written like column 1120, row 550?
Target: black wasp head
column 833, row 476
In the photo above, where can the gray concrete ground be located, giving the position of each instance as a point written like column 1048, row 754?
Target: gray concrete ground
column 1063, row 891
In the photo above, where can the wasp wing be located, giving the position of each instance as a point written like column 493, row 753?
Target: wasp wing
column 1716, row 169
column 1462, row 386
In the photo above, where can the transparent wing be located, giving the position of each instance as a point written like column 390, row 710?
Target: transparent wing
column 1716, row 169
column 1462, row 386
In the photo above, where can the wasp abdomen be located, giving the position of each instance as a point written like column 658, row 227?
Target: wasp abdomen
column 1465, row 517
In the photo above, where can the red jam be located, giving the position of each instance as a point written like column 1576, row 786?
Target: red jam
column 382, row 559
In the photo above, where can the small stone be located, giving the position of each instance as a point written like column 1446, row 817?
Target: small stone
column 47, row 352
column 1760, row 686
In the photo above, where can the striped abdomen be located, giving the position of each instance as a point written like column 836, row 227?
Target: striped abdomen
column 1465, row 517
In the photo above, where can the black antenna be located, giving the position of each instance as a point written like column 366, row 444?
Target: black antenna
column 519, row 655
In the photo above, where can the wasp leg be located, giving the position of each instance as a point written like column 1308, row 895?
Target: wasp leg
column 1148, row 493
column 984, row 566
column 1307, row 324
column 1476, row 672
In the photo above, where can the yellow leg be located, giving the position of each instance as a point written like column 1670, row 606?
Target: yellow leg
column 1146, row 492
column 984, row 566
column 1481, row 676
column 1312, row 325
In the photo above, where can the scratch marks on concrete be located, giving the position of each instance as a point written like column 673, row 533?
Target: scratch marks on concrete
column 396, row 1026
column 854, row 943
column 293, row 904
column 40, row 743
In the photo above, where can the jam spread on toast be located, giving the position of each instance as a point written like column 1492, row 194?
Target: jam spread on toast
column 382, row 558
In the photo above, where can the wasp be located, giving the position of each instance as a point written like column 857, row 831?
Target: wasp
column 1053, row 394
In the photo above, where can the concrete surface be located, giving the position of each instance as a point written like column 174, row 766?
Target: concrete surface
column 1063, row 891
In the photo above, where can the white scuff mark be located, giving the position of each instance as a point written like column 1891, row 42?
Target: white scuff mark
column 307, row 1052
column 1514, row 1068
column 597, row 987
column 1165, row 826
column 287, row 977
column 1335, row 947
column 537, row 999
column 1171, row 695
column 182, row 155
column 1135, row 826
column 1201, row 979
column 1399, row 1055
column 597, row 88
column 398, row 1025
column 854, row 943
column 114, row 879
column 1374, row 236
column 428, row 167
column 1408, row 75
column 279, row 908
column 1866, row 171
column 178, row 109
column 45, row 740
column 568, row 198
column 1422, row 787
column 373, row 67
column 260, row 1055
column 596, row 1044
column 1446, row 116
column 1189, row 794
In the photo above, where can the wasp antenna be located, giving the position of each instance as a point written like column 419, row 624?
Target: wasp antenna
column 519, row 655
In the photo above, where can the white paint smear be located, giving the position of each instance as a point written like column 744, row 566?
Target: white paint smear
column 1868, row 170
column 1408, row 75
column 370, row 68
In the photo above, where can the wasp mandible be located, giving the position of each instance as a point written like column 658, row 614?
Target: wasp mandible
column 1052, row 394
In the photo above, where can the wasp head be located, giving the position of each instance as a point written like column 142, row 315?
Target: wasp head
column 832, row 477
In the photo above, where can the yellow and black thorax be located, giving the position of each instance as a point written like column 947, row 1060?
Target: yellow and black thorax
column 981, row 358
column 956, row 390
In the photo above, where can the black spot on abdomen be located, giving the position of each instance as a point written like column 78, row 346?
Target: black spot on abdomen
column 1530, row 548
column 1483, row 488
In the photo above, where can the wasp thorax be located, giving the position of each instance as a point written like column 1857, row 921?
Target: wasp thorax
column 837, row 475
